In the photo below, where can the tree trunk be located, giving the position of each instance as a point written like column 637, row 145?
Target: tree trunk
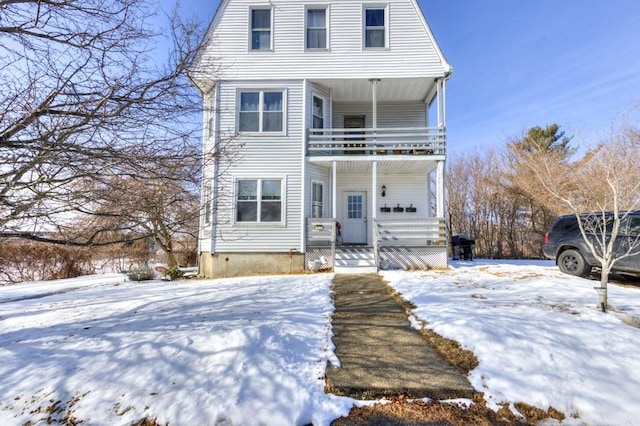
column 602, row 290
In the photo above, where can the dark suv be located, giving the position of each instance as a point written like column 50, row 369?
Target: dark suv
column 564, row 243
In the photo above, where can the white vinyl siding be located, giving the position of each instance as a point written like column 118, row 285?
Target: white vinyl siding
column 391, row 114
column 317, row 28
column 375, row 21
column 261, row 111
column 411, row 51
column 261, row 156
column 260, row 22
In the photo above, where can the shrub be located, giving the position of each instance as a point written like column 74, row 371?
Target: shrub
column 142, row 273
column 22, row 260
column 174, row 273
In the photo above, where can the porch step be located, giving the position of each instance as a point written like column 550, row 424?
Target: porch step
column 352, row 260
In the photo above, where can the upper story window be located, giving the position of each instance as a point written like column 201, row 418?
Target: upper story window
column 375, row 27
column 316, row 36
column 261, row 111
column 260, row 29
column 318, row 113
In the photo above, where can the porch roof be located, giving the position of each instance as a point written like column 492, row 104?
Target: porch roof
column 388, row 90
column 398, row 164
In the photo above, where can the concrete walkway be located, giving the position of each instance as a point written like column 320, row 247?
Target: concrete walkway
column 381, row 355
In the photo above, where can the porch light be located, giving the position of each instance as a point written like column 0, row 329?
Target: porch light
column 384, row 190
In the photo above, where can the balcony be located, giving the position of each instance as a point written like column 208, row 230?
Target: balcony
column 378, row 141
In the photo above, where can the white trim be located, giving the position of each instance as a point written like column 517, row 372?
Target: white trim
column 283, row 201
column 250, row 30
column 323, row 205
column 325, row 101
column 327, row 20
column 387, row 39
column 260, row 91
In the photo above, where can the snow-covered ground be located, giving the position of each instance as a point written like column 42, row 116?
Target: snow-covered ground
column 252, row 351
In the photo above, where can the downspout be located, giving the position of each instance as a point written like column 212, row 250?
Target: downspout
column 303, row 177
column 440, row 173
column 374, row 166
column 216, row 169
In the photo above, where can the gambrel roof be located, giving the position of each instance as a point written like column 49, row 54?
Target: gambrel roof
column 412, row 53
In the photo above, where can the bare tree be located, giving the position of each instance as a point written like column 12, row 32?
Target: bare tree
column 88, row 100
column 604, row 182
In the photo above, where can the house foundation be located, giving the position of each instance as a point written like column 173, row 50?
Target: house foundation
column 223, row 265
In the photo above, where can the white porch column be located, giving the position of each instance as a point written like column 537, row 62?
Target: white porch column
column 439, row 101
column 444, row 102
column 374, row 186
column 374, row 95
column 334, row 196
column 440, row 189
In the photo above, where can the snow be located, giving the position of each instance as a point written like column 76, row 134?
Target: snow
column 253, row 351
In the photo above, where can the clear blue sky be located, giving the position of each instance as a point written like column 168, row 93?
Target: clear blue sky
column 524, row 63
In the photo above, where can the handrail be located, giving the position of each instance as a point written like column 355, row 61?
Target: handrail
column 322, row 231
column 404, row 140
column 376, row 244
column 422, row 232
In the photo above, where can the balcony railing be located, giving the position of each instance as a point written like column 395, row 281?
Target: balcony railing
column 379, row 141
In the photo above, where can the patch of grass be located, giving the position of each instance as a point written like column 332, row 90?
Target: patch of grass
column 536, row 414
column 146, row 422
column 463, row 359
column 403, row 412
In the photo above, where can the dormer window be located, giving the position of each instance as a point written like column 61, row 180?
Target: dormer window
column 375, row 27
column 316, row 36
column 260, row 29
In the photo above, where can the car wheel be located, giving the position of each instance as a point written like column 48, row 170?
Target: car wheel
column 571, row 262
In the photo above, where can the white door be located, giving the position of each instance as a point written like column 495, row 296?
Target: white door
column 354, row 228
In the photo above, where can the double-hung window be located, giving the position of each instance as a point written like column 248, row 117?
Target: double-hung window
column 316, row 28
column 261, row 111
column 318, row 113
column 375, row 27
column 316, row 200
column 259, row 200
column 206, row 200
column 260, row 29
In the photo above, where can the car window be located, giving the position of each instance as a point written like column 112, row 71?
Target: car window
column 593, row 224
column 566, row 225
column 634, row 225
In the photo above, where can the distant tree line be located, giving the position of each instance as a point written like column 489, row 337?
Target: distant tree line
column 507, row 197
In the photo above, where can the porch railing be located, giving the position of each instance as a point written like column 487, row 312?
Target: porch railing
column 321, row 234
column 379, row 141
column 425, row 232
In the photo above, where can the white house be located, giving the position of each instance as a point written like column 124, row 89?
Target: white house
column 334, row 112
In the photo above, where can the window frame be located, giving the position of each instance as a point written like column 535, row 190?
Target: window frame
column 314, row 202
column 375, row 6
column 207, row 203
column 313, row 114
column 307, row 28
column 259, row 200
column 252, row 29
column 261, row 111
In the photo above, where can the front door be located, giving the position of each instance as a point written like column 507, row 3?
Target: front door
column 353, row 136
column 354, row 229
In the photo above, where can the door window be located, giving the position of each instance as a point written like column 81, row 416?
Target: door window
column 354, row 207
